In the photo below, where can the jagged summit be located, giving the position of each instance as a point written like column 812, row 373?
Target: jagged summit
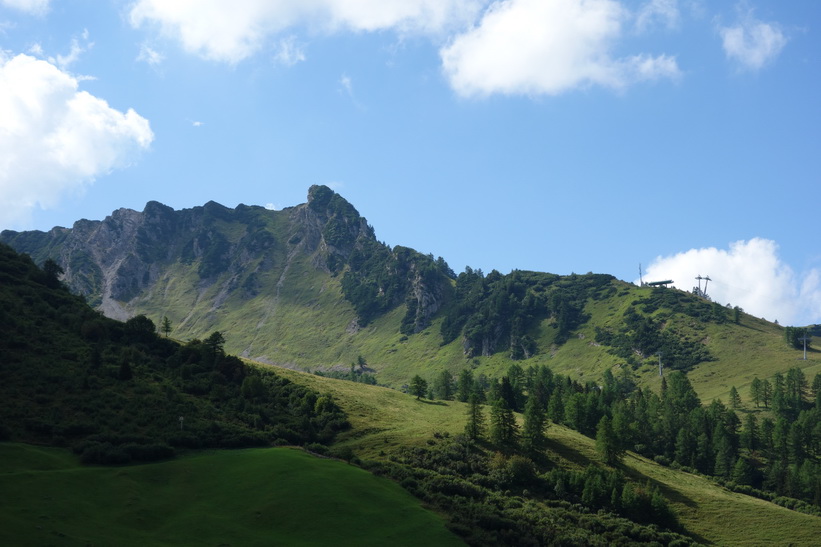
column 204, row 265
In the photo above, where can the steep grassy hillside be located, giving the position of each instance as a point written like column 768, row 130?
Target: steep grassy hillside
column 274, row 496
column 384, row 421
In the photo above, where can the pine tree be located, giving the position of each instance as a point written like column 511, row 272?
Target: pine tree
column 443, row 385
column 735, row 398
column 465, row 388
column 607, row 445
column 766, row 392
column 418, row 387
column 165, row 326
column 743, row 472
column 749, row 435
column 755, row 391
column 533, row 433
column 503, row 426
column 725, row 456
column 475, row 427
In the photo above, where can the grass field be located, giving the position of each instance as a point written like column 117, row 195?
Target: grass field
column 277, row 496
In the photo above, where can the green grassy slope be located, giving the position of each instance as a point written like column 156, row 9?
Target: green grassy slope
column 384, row 420
column 246, row 497
column 753, row 347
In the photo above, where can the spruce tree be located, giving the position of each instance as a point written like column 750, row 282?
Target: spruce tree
column 743, row 472
column 755, row 391
column 533, row 433
column 475, row 427
column 503, row 427
column 165, row 326
column 465, row 389
column 735, row 398
column 607, row 444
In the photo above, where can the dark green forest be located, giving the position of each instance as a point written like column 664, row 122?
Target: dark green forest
column 116, row 392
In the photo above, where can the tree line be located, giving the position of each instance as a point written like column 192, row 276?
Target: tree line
column 771, row 451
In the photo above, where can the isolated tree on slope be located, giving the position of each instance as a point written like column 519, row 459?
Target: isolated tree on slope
column 165, row 326
column 418, row 387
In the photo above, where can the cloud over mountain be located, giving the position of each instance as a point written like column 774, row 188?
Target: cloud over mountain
column 54, row 138
column 749, row 274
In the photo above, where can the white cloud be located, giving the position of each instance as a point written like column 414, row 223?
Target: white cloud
column 751, row 43
column 658, row 12
column 749, row 274
column 289, row 52
column 65, row 61
column 150, row 56
column 534, row 47
column 233, row 31
column 36, row 7
column 346, row 87
column 55, row 139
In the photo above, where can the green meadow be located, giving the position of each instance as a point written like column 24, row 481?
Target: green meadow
column 276, row 496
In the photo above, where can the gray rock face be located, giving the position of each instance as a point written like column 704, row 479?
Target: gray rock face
column 130, row 258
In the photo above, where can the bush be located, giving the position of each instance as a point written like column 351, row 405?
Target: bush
column 317, row 448
column 104, row 454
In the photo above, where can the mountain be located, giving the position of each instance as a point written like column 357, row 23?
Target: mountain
column 115, row 391
column 310, row 287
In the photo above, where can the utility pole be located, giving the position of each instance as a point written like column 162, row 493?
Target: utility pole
column 805, row 340
column 661, row 367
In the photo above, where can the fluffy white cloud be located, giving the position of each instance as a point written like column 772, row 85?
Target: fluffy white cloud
column 55, row 139
column 36, row 7
column 751, row 43
column 537, row 47
column 749, row 274
column 232, row 31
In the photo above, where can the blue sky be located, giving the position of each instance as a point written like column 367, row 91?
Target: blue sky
column 551, row 135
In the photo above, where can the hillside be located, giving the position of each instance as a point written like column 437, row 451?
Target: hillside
column 113, row 392
column 117, row 392
column 311, row 288
column 384, row 422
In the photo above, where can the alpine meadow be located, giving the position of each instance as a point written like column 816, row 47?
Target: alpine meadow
column 251, row 376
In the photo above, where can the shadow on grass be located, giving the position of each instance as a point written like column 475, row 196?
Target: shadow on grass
column 569, row 453
column 669, row 493
column 431, row 402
